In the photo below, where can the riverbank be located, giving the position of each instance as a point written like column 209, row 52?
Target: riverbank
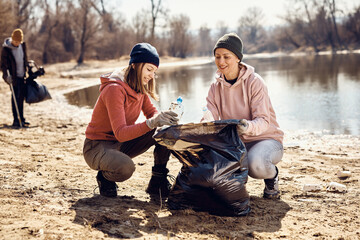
column 48, row 192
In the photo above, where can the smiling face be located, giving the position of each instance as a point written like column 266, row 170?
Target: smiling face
column 148, row 73
column 227, row 63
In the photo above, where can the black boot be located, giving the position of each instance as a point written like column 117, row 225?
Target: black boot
column 107, row 188
column 271, row 190
column 159, row 185
column 16, row 124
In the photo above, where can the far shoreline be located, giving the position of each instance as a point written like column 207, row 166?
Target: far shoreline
column 72, row 69
column 87, row 75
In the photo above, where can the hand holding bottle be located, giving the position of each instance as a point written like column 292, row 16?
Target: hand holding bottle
column 177, row 107
column 161, row 119
column 207, row 115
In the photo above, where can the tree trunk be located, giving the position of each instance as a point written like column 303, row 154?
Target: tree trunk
column 333, row 10
column 83, row 37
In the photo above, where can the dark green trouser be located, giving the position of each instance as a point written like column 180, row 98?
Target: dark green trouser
column 113, row 158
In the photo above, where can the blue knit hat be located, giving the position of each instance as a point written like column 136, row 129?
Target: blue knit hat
column 144, row 53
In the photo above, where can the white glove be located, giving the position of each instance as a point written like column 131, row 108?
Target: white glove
column 9, row 80
column 242, row 126
column 161, row 119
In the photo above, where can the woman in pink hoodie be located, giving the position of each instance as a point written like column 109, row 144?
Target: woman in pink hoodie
column 112, row 136
column 240, row 93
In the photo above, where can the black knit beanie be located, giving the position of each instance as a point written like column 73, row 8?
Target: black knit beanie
column 232, row 42
column 144, row 53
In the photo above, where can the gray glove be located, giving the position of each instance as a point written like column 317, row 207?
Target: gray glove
column 242, row 126
column 9, row 80
column 163, row 118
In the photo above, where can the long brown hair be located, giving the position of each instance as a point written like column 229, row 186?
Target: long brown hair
column 133, row 79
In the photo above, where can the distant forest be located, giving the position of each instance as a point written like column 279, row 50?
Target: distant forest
column 64, row 30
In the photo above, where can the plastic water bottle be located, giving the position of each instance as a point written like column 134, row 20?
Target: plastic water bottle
column 177, row 107
column 312, row 187
column 343, row 174
column 207, row 115
column 336, row 187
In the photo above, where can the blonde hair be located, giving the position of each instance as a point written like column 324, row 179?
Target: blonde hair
column 133, row 79
column 17, row 35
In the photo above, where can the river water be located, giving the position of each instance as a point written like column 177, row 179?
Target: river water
column 314, row 93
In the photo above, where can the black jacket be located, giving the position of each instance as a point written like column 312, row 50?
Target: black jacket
column 8, row 61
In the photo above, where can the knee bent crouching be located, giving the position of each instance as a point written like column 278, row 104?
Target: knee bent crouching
column 122, row 173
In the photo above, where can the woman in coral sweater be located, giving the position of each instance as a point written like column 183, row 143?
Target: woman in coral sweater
column 112, row 136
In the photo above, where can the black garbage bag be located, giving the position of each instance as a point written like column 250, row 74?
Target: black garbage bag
column 215, row 168
column 36, row 92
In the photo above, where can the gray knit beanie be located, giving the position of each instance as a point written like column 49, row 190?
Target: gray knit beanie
column 232, row 42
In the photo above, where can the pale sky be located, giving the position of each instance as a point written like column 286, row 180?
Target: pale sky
column 210, row 12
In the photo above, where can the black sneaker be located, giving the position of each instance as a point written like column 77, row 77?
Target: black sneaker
column 271, row 190
column 16, row 124
column 25, row 123
column 107, row 188
column 159, row 184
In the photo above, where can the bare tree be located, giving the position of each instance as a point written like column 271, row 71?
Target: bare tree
column 23, row 10
column 86, row 26
column 50, row 22
column 333, row 11
column 250, row 24
column 311, row 33
column 156, row 10
column 109, row 24
column 179, row 36
column 291, row 35
column 116, row 32
column 60, row 30
column 288, row 36
column 307, row 24
column 222, row 29
column 7, row 19
column 141, row 27
column 321, row 28
column 352, row 25
column 67, row 28
column 204, row 42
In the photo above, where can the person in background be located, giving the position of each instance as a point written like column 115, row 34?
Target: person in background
column 14, row 61
column 240, row 93
column 112, row 136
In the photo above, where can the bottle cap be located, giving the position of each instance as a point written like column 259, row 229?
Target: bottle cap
column 179, row 99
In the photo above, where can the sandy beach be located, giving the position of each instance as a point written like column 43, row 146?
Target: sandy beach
column 47, row 191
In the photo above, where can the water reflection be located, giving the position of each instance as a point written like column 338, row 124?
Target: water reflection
column 84, row 97
column 191, row 83
column 309, row 92
column 315, row 92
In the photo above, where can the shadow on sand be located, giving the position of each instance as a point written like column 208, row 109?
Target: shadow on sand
column 6, row 126
column 127, row 217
